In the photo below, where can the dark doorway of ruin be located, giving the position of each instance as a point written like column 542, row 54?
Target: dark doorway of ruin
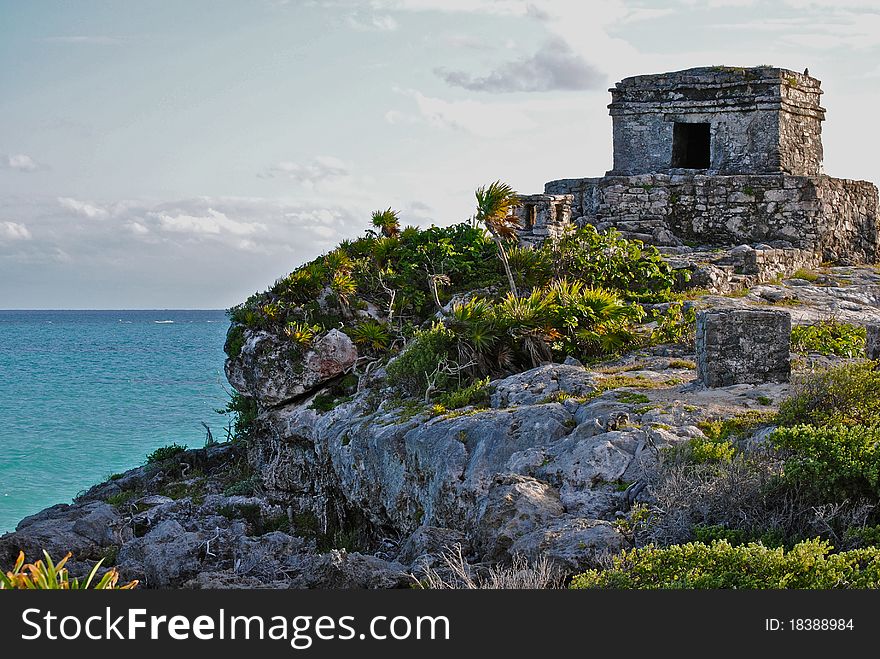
column 690, row 146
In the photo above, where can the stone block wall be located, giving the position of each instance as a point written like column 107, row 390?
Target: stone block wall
column 872, row 346
column 743, row 346
column 761, row 120
column 838, row 218
column 543, row 216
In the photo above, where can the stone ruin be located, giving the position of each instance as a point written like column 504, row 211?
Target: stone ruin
column 718, row 157
column 743, row 346
column 721, row 169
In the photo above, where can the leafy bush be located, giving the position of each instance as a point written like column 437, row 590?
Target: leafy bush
column 829, row 338
column 46, row 575
column 736, row 425
column 244, row 412
column 676, row 324
column 165, row 453
column 474, row 394
column 419, row 366
column 843, row 394
column 607, row 260
column 701, row 451
column 835, row 463
column 234, row 340
column 696, row 565
column 370, row 334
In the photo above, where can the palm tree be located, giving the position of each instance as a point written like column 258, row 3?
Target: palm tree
column 495, row 204
column 387, row 222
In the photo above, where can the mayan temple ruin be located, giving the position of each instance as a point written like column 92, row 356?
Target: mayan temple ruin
column 717, row 157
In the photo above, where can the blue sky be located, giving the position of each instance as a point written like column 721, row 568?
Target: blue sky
column 184, row 154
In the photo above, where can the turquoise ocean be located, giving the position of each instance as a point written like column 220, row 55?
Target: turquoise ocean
column 85, row 394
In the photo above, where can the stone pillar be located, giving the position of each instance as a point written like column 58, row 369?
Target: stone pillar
column 743, row 346
column 872, row 347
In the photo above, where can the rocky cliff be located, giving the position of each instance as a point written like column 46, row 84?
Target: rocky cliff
column 344, row 482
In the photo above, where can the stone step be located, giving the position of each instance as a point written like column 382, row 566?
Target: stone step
column 640, row 226
column 634, row 235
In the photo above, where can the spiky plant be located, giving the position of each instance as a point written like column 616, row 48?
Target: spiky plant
column 592, row 319
column 46, row 575
column 344, row 285
column 337, row 261
column 476, row 331
column 371, row 334
column 301, row 334
column 495, row 204
column 387, row 222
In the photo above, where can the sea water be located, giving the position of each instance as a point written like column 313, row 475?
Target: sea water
column 85, row 394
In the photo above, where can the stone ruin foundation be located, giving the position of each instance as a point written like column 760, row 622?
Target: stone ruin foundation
column 872, row 346
column 720, row 168
column 743, row 346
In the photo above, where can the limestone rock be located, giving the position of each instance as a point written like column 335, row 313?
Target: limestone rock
column 269, row 368
column 573, row 544
column 538, row 384
column 515, row 505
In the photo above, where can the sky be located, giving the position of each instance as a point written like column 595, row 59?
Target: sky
column 169, row 154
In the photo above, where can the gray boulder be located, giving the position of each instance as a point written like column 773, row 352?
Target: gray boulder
column 269, row 369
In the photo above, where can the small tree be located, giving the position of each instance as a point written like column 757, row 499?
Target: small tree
column 495, row 204
column 387, row 222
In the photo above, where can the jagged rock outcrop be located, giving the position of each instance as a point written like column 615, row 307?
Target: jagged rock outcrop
column 271, row 369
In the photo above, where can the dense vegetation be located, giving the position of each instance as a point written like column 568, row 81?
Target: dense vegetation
column 809, row 564
column 456, row 304
column 829, row 337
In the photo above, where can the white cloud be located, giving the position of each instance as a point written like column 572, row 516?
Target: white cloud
column 84, row 208
column 14, row 231
column 138, row 229
column 212, row 223
column 19, row 162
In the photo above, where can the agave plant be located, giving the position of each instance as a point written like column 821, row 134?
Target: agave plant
column 344, row 286
column 371, row 334
column 301, row 334
column 387, row 222
column 337, row 261
column 475, row 328
column 46, row 575
column 495, row 204
column 592, row 319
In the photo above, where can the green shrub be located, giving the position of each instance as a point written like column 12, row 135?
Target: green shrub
column 234, row 340
column 736, row 425
column 370, row 334
column 474, row 394
column 829, row 338
column 844, row 394
column 709, row 533
column 676, row 324
column 420, row 363
column 244, row 412
column 165, row 453
column 607, row 260
column 696, row 565
column 702, row 451
column 835, row 462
